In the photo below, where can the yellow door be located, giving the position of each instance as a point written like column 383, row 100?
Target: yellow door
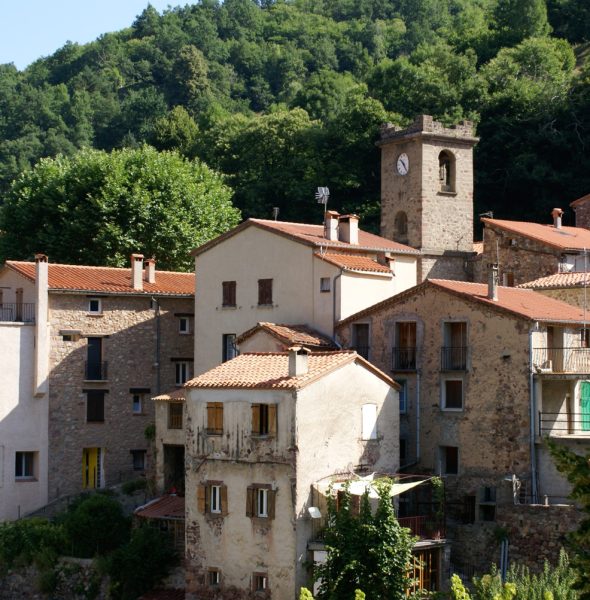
column 90, row 468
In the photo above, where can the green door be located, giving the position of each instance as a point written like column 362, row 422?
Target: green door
column 585, row 405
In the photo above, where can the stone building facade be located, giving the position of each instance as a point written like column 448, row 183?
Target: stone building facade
column 427, row 193
column 483, row 381
column 114, row 338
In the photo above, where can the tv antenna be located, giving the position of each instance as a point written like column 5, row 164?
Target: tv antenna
column 275, row 212
column 322, row 194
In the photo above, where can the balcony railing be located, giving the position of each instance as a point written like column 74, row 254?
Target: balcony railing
column 559, row 424
column 403, row 358
column 17, row 312
column 561, row 360
column 424, row 527
column 363, row 351
column 95, row 371
column 453, row 358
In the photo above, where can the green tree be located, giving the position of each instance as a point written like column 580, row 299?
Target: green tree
column 370, row 551
column 517, row 20
column 97, row 207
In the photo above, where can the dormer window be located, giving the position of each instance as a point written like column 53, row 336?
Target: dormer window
column 446, row 171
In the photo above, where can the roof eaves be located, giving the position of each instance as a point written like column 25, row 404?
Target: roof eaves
column 135, row 293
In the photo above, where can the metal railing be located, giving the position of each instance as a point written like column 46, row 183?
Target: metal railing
column 424, row 527
column 453, row 358
column 403, row 358
column 558, row 424
column 17, row 312
column 95, row 371
column 561, row 360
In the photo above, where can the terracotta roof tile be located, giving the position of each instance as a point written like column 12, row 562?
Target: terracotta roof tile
column 293, row 335
column 524, row 303
column 313, row 235
column 565, row 238
column 558, row 280
column 355, row 262
column 173, row 396
column 270, row 371
column 165, row 507
column 107, row 280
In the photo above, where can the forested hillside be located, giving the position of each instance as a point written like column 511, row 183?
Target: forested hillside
column 283, row 96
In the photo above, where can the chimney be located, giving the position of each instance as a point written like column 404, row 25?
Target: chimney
column 41, row 326
column 493, row 283
column 137, row 271
column 349, row 229
column 298, row 361
column 150, row 270
column 331, row 225
column 556, row 214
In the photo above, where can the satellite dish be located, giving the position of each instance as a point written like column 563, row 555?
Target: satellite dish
column 322, row 194
column 314, row 512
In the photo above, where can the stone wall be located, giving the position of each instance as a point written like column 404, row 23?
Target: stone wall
column 575, row 296
column 128, row 328
column 582, row 209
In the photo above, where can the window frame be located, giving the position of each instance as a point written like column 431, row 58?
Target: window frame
column 229, row 348
column 140, row 398
column 265, row 295
column 92, row 409
column 403, row 396
column 257, row 493
column 325, row 285
column 214, row 499
column 186, row 330
column 264, row 419
column 181, row 371
column 98, row 310
column 205, row 493
column 444, row 462
column 259, row 582
column 27, row 465
column 135, row 454
column 444, row 394
column 172, row 423
column 229, row 294
column 214, row 412
column 213, row 577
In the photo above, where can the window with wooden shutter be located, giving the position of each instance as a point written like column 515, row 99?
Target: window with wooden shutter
column 264, row 419
column 260, row 501
column 250, row 494
column 265, row 291
column 202, row 498
column 215, row 418
column 228, row 293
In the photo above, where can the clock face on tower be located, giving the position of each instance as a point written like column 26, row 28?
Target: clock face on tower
column 403, row 164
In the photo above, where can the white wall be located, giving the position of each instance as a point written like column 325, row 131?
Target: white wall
column 23, row 422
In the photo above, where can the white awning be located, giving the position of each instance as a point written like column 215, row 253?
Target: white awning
column 357, row 487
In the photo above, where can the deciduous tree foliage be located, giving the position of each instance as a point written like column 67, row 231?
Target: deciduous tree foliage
column 96, row 208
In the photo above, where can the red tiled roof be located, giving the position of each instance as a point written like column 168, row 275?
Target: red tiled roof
column 355, row 262
column 558, row 280
column 294, row 335
column 165, row 507
column 565, row 238
column 270, row 371
column 312, row 235
column 174, row 396
column 107, row 280
column 524, row 303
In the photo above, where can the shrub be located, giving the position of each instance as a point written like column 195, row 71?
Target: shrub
column 130, row 487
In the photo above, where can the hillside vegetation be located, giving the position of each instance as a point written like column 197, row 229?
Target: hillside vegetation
column 283, row 96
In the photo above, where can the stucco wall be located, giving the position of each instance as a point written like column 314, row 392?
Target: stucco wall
column 165, row 436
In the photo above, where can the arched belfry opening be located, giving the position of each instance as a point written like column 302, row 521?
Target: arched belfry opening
column 446, row 171
column 400, row 227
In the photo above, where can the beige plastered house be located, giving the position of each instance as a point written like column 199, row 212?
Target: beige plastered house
column 262, row 429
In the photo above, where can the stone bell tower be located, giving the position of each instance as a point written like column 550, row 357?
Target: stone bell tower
column 427, row 193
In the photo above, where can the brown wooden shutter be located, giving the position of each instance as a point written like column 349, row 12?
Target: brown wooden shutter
column 201, row 495
column 250, row 502
column 210, row 416
column 256, row 419
column 271, row 494
column 272, row 419
column 223, row 493
column 219, row 417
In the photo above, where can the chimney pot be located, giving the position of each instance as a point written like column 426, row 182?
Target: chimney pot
column 298, row 361
column 150, row 270
column 349, row 229
column 331, row 225
column 137, row 271
column 556, row 213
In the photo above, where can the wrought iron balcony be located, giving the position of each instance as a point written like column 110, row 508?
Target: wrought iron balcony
column 563, row 423
column 17, row 312
column 453, row 358
column 561, row 360
column 95, row 371
column 403, row 358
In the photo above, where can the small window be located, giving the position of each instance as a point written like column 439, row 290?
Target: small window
column 264, row 419
column 213, row 577
column 215, row 499
column 229, row 349
column 259, row 582
column 324, row 284
column 24, row 467
column 182, row 372
column 175, row 415
column 360, row 339
column 215, row 418
column 228, row 289
column 137, row 404
column 95, row 406
column 260, row 501
column 403, row 396
column 264, row 292
column 449, row 459
column 184, row 325
column 403, row 450
column 369, row 417
column 95, row 306
column 452, row 394
column 138, row 457
column 508, row 279
column 67, row 337
column 400, row 227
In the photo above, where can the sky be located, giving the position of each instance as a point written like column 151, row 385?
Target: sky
column 30, row 29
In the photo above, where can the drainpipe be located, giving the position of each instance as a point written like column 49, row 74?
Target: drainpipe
column 533, row 417
column 336, row 277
